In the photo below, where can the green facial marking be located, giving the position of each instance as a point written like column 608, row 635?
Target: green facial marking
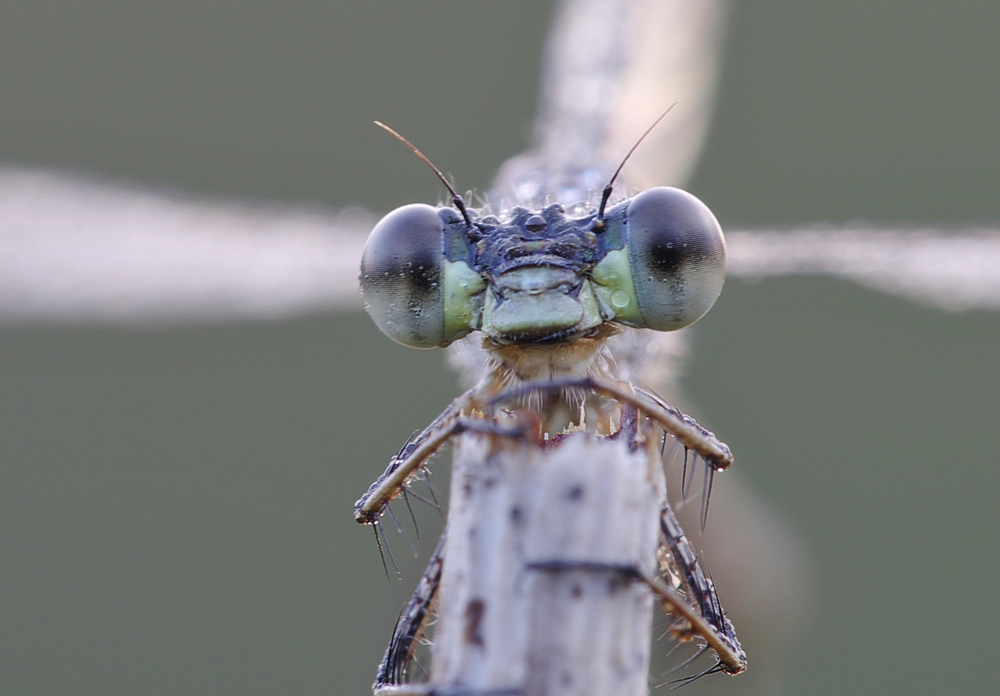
column 463, row 299
column 612, row 279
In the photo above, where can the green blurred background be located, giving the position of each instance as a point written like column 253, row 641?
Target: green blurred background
column 175, row 505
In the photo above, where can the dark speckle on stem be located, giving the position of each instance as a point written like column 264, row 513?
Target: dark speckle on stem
column 474, row 612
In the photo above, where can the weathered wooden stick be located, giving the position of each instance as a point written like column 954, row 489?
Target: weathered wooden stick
column 532, row 600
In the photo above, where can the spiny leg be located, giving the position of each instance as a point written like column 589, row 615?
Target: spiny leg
column 407, row 461
column 410, row 624
column 405, row 465
column 733, row 661
column 702, row 592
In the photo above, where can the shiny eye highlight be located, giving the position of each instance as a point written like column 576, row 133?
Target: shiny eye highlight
column 412, row 292
column 676, row 257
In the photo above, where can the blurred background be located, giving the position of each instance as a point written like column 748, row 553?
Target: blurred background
column 176, row 503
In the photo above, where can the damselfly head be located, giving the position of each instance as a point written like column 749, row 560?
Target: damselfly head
column 432, row 275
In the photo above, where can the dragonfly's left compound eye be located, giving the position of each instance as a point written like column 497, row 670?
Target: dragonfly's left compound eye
column 412, row 292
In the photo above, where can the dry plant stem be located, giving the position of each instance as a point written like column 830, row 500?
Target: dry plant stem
column 507, row 627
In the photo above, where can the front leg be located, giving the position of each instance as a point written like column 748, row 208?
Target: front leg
column 414, row 454
column 453, row 421
column 687, row 431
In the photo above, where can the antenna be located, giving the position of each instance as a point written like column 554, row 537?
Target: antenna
column 599, row 225
column 455, row 198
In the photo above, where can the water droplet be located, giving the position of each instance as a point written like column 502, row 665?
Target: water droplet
column 620, row 299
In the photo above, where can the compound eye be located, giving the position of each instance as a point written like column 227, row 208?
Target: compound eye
column 677, row 255
column 401, row 276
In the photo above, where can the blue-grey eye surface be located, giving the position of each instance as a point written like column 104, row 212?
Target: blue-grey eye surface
column 678, row 257
column 401, row 276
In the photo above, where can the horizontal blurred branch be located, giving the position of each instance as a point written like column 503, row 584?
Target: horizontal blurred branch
column 948, row 269
column 76, row 250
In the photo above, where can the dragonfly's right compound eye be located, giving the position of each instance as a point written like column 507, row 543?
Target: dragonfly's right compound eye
column 673, row 261
column 412, row 292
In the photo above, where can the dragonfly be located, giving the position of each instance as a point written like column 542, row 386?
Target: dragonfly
column 549, row 290
column 279, row 262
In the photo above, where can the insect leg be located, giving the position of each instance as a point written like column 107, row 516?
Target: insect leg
column 732, row 659
column 409, row 459
column 721, row 635
column 410, row 624
column 687, row 431
column 682, row 426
